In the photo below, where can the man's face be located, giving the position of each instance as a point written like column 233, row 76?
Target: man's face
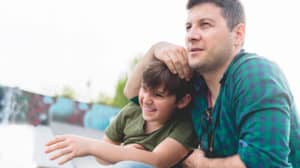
column 208, row 39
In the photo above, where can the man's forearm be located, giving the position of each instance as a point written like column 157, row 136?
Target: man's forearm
column 198, row 160
column 228, row 162
column 134, row 80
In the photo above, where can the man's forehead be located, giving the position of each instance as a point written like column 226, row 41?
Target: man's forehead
column 203, row 11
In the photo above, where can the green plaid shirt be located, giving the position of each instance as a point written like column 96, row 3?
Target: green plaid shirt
column 254, row 115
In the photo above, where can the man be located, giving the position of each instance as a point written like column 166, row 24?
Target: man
column 244, row 113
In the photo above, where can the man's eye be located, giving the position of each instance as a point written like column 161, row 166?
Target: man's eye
column 205, row 25
column 188, row 27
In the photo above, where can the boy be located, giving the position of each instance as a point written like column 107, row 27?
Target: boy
column 157, row 132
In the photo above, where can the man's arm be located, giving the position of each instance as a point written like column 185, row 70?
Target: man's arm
column 228, row 162
column 133, row 84
column 198, row 160
column 174, row 56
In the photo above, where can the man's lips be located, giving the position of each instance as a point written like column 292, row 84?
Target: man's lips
column 195, row 49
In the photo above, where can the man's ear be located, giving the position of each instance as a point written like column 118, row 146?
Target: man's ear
column 239, row 34
column 184, row 101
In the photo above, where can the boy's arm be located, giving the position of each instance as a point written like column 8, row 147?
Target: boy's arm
column 107, row 140
column 166, row 154
column 175, row 57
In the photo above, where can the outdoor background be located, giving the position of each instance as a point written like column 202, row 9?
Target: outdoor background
column 86, row 47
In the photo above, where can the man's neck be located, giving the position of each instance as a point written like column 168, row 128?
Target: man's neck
column 213, row 78
column 213, row 83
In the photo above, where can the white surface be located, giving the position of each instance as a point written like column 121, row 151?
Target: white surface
column 42, row 135
column 22, row 146
column 16, row 146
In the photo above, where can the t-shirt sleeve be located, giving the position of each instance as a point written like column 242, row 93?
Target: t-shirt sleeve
column 263, row 118
column 184, row 132
column 115, row 129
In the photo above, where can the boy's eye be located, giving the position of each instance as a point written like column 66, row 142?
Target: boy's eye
column 159, row 95
column 144, row 87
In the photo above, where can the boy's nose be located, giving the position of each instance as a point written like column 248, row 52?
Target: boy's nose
column 147, row 100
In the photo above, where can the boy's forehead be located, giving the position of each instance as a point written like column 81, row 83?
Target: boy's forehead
column 160, row 87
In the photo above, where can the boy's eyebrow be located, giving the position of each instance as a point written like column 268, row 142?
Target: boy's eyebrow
column 162, row 91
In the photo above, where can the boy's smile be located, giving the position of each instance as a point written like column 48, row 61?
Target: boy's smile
column 157, row 105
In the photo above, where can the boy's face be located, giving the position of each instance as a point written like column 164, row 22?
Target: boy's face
column 157, row 105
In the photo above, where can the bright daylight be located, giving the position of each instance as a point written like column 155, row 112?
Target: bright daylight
column 64, row 65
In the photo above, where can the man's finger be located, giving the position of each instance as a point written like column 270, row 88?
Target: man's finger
column 175, row 58
column 186, row 68
column 168, row 61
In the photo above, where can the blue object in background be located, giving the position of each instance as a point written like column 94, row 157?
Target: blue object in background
column 99, row 116
column 62, row 108
column 83, row 106
column 48, row 100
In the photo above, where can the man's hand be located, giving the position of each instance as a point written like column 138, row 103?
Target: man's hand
column 68, row 147
column 175, row 57
column 196, row 160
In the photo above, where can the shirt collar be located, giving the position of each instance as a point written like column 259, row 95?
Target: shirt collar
column 235, row 59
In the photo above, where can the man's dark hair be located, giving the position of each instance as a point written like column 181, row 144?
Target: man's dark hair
column 158, row 74
column 232, row 10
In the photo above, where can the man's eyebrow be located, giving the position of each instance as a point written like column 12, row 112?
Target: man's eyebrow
column 201, row 20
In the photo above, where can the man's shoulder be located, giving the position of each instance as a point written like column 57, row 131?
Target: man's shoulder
column 253, row 66
column 249, row 60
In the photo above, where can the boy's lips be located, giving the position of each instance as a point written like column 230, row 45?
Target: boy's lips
column 148, row 109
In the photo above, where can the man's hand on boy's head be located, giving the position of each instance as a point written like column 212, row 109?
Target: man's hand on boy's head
column 175, row 57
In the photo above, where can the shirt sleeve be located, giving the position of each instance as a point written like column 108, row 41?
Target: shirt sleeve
column 263, row 115
column 184, row 133
column 115, row 129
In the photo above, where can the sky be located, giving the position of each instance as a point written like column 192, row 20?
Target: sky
column 46, row 45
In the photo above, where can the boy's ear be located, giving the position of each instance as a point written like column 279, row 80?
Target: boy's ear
column 184, row 101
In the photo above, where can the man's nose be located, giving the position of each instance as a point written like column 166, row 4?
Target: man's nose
column 193, row 34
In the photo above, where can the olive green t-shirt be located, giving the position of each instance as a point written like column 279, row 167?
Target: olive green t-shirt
column 128, row 128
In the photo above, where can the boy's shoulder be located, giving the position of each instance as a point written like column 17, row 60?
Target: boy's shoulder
column 131, row 109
